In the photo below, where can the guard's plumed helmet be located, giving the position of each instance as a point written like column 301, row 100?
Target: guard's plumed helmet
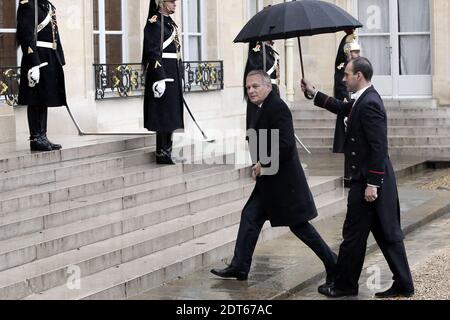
column 354, row 46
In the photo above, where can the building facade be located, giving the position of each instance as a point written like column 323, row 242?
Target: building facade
column 408, row 42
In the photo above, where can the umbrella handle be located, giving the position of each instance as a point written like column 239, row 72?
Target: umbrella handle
column 307, row 96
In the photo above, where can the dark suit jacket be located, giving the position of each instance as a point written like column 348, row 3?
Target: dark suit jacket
column 366, row 154
column 286, row 196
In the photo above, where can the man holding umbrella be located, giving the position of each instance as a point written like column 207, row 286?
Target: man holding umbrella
column 373, row 204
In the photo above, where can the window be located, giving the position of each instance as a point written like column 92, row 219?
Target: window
column 193, row 30
column 254, row 6
column 9, row 54
column 110, row 43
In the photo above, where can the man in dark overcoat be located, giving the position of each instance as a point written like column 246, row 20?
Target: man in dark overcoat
column 42, row 83
column 373, row 204
column 281, row 194
column 255, row 61
column 161, row 58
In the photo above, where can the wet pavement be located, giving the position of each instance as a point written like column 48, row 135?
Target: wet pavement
column 422, row 245
column 285, row 268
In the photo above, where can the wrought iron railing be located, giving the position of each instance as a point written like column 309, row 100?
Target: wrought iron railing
column 127, row 80
column 9, row 85
column 118, row 81
column 203, row 76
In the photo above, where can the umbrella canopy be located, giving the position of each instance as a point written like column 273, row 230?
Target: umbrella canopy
column 296, row 19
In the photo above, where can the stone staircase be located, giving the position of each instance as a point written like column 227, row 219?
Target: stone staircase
column 415, row 128
column 107, row 212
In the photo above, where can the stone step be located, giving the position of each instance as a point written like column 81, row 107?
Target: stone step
column 391, row 113
column 393, row 131
column 50, row 272
column 423, row 121
column 36, row 219
column 403, row 104
column 393, row 141
column 15, row 160
column 134, row 277
column 51, row 193
column 425, row 152
column 41, row 244
column 211, row 238
column 71, row 169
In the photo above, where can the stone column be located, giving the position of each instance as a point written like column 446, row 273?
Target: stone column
column 440, row 50
column 290, row 93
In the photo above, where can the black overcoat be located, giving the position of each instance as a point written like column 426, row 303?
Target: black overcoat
column 286, row 196
column 366, row 154
column 163, row 114
column 50, row 91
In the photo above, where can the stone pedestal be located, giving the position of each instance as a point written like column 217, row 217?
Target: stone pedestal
column 7, row 124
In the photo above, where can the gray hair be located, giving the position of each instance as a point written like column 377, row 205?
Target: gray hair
column 264, row 76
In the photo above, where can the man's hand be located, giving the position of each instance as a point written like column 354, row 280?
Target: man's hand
column 33, row 76
column 256, row 171
column 307, row 87
column 371, row 194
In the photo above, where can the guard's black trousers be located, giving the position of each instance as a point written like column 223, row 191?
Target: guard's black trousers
column 37, row 121
column 362, row 219
column 252, row 220
column 164, row 143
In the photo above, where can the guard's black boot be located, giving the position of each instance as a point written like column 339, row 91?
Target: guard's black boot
column 39, row 144
column 43, row 126
column 164, row 158
column 54, row 146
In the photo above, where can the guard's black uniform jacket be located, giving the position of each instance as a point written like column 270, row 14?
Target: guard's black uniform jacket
column 340, row 93
column 163, row 114
column 366, row 154
column 50, row 91
column 255, row 62
column 286, row 196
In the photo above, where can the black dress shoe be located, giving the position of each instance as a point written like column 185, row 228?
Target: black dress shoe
column 39, row 144
column 333, row 292
column 54, row 146
column 393, row 292
column 230, row 272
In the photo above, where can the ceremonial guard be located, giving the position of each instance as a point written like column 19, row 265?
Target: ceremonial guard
column 163, row 101
column 348, row 49
column 255, row 61
column 42, row 77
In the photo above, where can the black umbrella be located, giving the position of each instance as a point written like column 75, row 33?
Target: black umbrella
column 295, row 19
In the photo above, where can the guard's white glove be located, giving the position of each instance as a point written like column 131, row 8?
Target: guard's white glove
column 159, row 87
column 33, row 76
